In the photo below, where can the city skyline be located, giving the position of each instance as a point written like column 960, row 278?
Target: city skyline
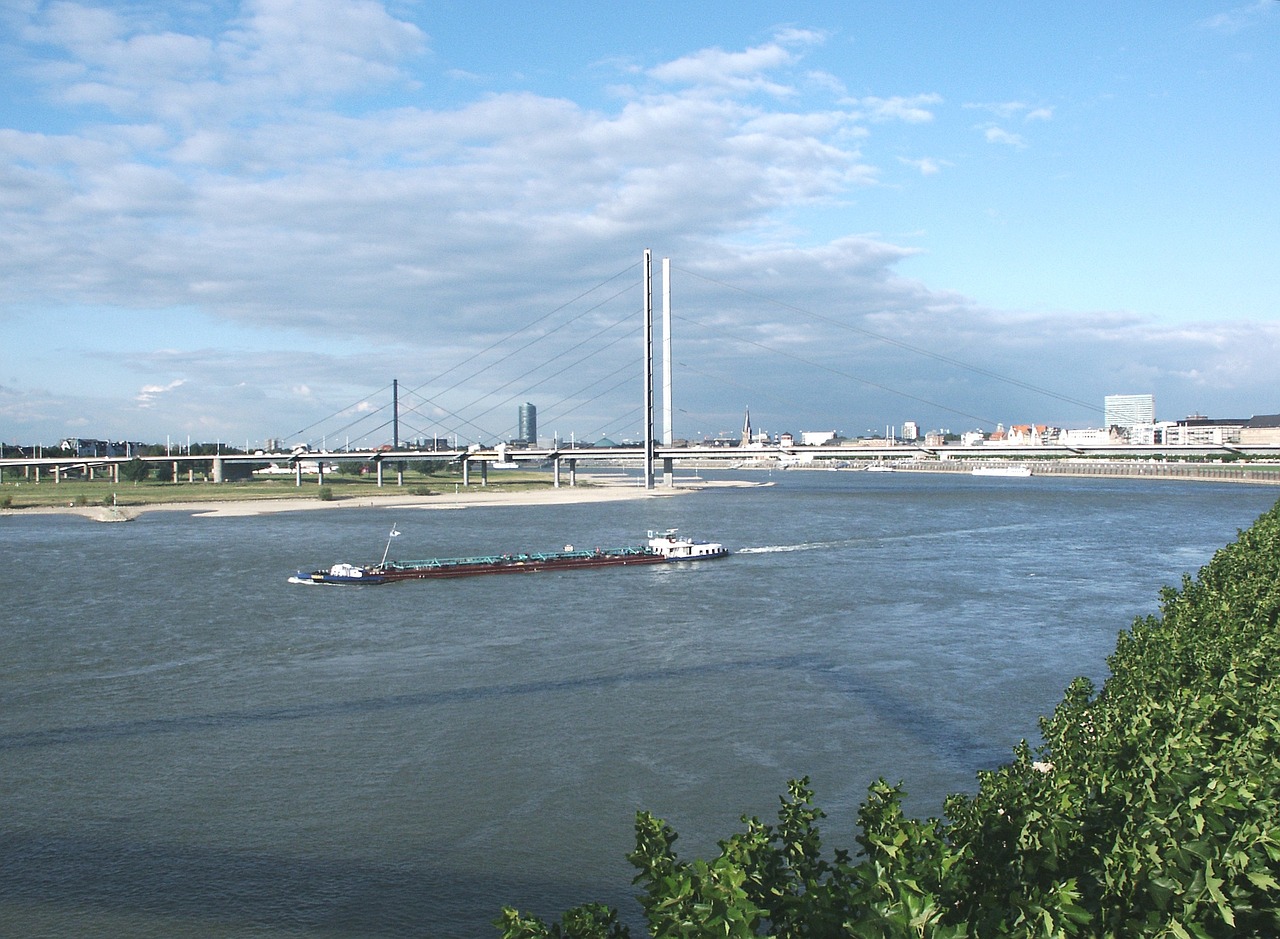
column 238, row 219
column 1131, row 415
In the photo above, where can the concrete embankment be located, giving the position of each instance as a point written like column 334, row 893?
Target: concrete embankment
column 1254, row 474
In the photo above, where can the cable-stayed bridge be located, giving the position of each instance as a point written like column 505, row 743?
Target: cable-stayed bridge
column 582, row 364
column 571, row 341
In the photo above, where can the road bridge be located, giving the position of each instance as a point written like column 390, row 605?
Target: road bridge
column 564, row 461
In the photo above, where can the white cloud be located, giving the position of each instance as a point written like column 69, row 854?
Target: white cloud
column 1008, row 110
column 148, row 394
column 912, row 110
column 160, row 389
column 928, row 166
column 1001, row 109
column 1005, row 111
column 310, row 215
column 1239, row 19
column 304, row 46
column 744, row 71
column 280, row 52
column 1001, row 136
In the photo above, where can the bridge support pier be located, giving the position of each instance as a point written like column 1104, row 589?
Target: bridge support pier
column 378, row 464
column 555, row 472
column 217, row 469
column 484, row 472
column 668, row 473
column 320, row 472
column 115, row 474
column 466, row 472
column 175, row 471
column 297, row 473
column 573, row 474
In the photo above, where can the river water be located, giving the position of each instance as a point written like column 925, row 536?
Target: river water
column 191, row 746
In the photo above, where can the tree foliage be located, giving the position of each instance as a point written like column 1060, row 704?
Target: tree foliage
column 135, row 470
column 1150, row 809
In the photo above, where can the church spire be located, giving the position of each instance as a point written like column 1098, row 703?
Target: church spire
column 746, row 428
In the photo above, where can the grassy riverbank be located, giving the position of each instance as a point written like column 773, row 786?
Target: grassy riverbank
column 22, row 494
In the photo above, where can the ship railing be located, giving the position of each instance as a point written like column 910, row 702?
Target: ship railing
column 495, row 559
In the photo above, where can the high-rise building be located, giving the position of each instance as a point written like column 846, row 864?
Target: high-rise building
column 1129, row 410
column 528, row 424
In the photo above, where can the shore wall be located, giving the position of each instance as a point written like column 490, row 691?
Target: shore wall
column 1267, row 475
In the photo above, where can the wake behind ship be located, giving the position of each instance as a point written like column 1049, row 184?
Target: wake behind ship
column 661, row 548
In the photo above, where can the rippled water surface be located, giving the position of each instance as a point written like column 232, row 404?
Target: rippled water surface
column 191, row 746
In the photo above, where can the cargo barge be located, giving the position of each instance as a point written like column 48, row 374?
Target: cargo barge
column 661, row 548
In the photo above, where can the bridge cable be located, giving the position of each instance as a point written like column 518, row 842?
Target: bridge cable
column 1027, row 386
column 338, row 412
column 482, row 431
column 528, row 326
column 836, row 371
column 564, row 369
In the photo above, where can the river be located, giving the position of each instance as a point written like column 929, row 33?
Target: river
column 191, row 746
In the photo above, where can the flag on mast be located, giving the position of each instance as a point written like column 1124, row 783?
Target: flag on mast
column 387, row 550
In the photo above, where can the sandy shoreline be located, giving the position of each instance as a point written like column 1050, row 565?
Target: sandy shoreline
column 601, row 491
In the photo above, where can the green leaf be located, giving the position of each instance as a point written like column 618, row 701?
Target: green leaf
column 1262, row 880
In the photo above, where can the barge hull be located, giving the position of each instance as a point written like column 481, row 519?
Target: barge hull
column 663, row 548
column 519, row 567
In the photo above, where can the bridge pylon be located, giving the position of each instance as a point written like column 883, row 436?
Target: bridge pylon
column 648, row 368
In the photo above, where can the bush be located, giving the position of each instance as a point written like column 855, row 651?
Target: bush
column 1151, row 809
column 325, row 494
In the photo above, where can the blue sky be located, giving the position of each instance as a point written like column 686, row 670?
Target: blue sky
column 241, row 221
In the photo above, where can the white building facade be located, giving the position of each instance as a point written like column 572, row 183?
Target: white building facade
column 1129, row 410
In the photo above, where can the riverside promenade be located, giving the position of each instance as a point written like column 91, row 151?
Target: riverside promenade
column 1251, row 473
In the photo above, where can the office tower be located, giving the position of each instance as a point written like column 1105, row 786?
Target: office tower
column 1129, row 410
column 528, row 424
